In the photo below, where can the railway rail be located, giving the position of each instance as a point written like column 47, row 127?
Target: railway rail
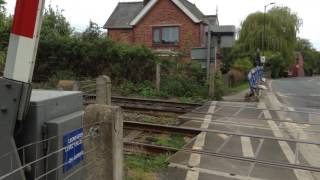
column 137, row 147
column 155, row 149
column 146, row 105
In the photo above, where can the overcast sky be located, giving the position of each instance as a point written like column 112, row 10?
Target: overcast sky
column 79, row 12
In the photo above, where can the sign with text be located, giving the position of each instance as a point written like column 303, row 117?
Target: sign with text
column 73, row 153
column 202, row 53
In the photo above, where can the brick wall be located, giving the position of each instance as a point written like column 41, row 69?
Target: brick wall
column 121, row 35
column 165, row 13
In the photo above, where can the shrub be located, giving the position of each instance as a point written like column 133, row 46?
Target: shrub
column 127, row 88
column 275, row 64
column 244, row 65
column 146, row 89
column 183, row 79
column 2, row 57
column 236, row 76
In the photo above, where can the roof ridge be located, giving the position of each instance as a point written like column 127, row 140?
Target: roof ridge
column 130, row 2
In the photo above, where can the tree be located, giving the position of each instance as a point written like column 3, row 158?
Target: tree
column 3, row 38
column 92, row 32
column 282, row 26
column 55, row 25
column 54, row 44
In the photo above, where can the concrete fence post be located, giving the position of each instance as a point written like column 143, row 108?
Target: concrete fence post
column 108, row 159
column 158, row 77
column 103, row 90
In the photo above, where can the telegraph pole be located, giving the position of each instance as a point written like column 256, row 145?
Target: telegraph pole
column 264, row 27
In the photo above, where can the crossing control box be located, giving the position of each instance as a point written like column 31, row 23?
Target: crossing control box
column 55, row 123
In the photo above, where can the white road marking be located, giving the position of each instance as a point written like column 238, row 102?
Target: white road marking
column 195, row 159
column 191, row 175
column 223, row 136
column 309, row 151
column 290, row 108
column 247, row 149
column 286, row 94
column 200, row 141
column 288, row 152
column 195, row 175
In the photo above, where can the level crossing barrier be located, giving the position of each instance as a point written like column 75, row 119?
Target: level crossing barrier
column 254, row 76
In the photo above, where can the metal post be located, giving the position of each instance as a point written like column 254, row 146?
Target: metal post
column 158, row 77
column 208, row 53
column 211, row 81
column 264, row 27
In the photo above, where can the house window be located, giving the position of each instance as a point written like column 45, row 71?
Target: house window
column 166, row 36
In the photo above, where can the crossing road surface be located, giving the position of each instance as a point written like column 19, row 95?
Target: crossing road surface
column 267, row 131
column 298, row 92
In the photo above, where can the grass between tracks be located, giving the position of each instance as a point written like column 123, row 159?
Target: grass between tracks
column 144, row 167
column 159, row 120
column 174, row 141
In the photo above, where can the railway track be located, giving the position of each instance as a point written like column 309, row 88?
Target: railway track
column 151, row 149
column 164, row 129
column 146, row 105
column 135, row 147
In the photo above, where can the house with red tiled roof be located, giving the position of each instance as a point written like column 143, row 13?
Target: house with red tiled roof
column 163, row 25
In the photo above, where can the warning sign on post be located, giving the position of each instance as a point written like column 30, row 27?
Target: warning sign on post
column 73, row 152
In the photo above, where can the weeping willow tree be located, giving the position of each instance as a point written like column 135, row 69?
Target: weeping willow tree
column 281, row 28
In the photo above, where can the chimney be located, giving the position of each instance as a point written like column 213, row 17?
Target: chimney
column 145, row 2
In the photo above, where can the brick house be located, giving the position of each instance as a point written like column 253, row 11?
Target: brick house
column 163, row 25
column 297, row 69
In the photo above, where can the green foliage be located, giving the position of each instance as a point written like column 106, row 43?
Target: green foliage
column 2, row 14
column 127, row 87
column 146, row 163
column 243, row 64
column 2, row 56
column 5, row 24
column 183, row 80
column 54, row 25
column 174, row 141
column 241, row 87
column 88, row 54
column 147, row 89
column 65, row 54
column 310, row 55
column 276, row 64
column 281, row 28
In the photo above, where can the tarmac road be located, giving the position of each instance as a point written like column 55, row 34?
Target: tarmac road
column 298, row 92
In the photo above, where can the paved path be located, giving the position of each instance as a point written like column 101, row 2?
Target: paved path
column 256, row 119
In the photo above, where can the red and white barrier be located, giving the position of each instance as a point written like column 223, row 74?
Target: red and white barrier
column 24, row 40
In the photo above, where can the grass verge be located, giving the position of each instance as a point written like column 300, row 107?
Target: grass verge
column 236, row 89
column 144, row 167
